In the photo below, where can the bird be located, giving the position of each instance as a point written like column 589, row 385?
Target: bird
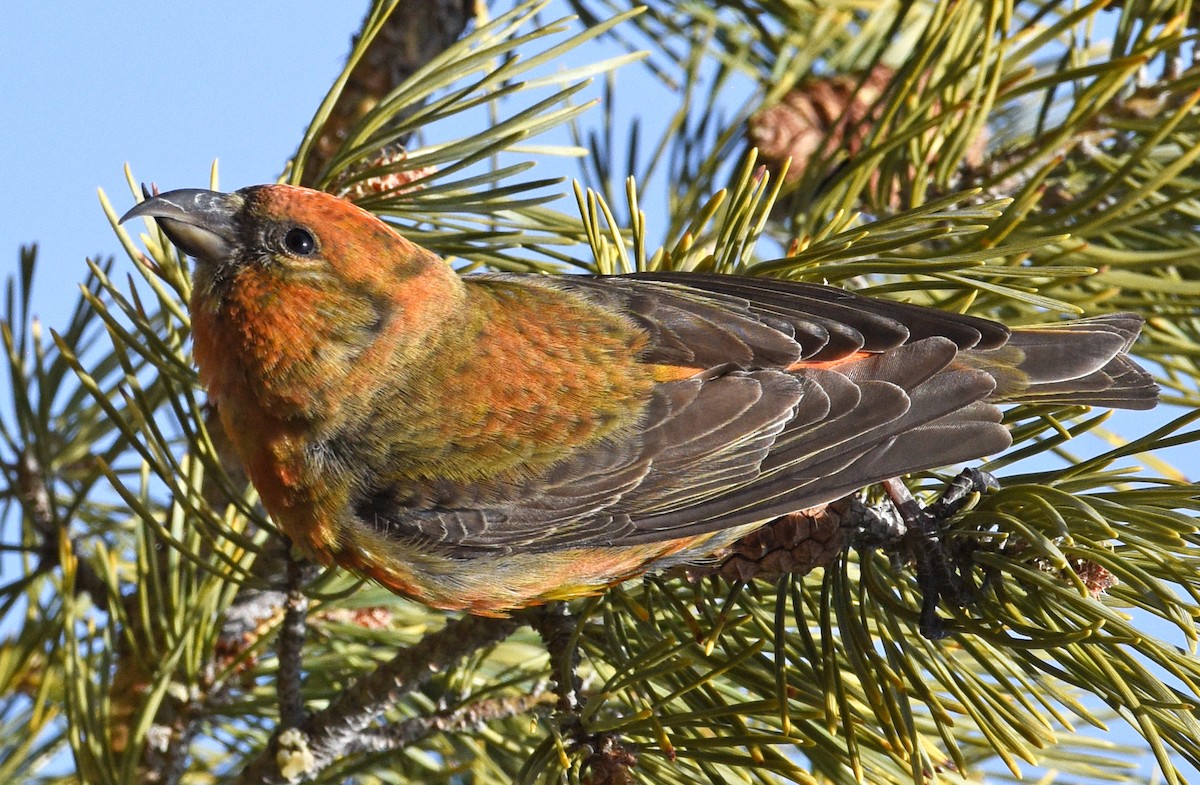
column 494, row 441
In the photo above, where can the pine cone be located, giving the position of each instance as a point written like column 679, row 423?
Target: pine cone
column 395, row 182
column 821, row 116
column 795, row 543
column 816, row 117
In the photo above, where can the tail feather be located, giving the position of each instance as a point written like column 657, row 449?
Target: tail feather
column 1080, row 362
column 926, row 403
column 1121, row 384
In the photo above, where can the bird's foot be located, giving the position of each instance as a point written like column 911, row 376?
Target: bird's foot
column 960, row 492
column 941, row 575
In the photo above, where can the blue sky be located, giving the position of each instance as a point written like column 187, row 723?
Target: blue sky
column 90, row 86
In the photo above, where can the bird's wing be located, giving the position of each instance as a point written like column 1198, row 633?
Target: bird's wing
column 759, row 429
column 879, row 324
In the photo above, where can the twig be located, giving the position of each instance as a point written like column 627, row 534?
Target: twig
column 331, row 731
column 290, row 649
column 461, row 718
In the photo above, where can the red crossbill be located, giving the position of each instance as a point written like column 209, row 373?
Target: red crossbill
column 493, row 441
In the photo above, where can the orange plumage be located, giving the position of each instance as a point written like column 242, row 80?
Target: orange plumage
column 493, row 441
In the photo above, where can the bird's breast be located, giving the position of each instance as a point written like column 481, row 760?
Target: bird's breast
column 528, row 377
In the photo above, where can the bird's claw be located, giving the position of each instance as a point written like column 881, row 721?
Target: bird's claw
column 917, row 535
column 940, row 576
column 960, row 491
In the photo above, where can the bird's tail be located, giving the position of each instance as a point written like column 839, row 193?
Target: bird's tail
column 1083, row 361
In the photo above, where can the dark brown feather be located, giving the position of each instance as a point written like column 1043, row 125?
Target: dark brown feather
column 751, row 435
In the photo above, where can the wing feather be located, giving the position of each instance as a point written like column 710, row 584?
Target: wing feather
column 756, row 431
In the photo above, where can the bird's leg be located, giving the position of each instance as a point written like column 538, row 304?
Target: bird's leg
column 938, row 575
column 555, row 624
column 605, row 754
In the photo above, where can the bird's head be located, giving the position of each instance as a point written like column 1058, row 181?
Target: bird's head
column 284, row 234
column 293, row 286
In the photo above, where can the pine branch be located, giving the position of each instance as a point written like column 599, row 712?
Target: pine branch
column 412, row 34
column 329, row 733
column 1089, row 204
column 466, row 718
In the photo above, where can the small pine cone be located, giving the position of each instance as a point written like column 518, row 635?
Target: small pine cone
column 820, row 116
column 795, row 543
column 375, row 617
column 254, row 614
column 816, row 117
column 1096, row 578
column 393, row 182
column 611, row 764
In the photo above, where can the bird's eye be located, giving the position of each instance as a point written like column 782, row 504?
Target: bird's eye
column 299, row 241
